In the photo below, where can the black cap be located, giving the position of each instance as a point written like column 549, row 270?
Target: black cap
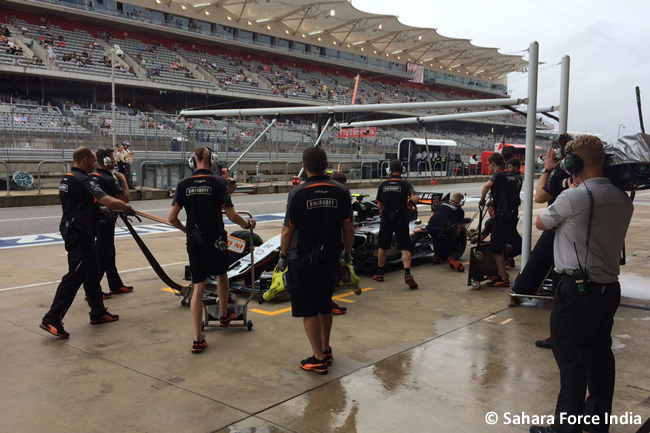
column 396, row 166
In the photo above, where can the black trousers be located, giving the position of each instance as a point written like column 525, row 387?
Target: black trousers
column 105, row 232
column 82, row 269
column 541, row 260
column 444, row 243
column 125, row 169
column 581, row 327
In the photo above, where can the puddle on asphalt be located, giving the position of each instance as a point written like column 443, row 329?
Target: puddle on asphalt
column 635, row 286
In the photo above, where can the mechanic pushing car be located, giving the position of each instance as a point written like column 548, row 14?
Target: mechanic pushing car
column 393, row 196
column 444, row 226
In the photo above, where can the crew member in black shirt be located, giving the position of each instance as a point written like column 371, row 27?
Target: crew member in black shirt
column 392, row 198
column 551, row 183
column 504, row 188
column 444, row 226
column 80, row 198
column 203, row 196
column 113, row 184
column 514, row 167
column 319, row 215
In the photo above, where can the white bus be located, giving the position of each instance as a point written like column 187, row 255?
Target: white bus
column 412, row 151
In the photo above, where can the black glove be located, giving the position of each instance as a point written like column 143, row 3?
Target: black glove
column 221, row 245
column 346, row 257
column 481, row 202
column 130, row 211
column 282, row 264
column 105, row 211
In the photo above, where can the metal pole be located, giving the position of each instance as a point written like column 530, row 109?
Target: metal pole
column 533, row 54
column 302, row 169
column 440, row 118
column 352, row 108
column 113, row 126
column 565, row 66
column 146, row 136
column 252, row 144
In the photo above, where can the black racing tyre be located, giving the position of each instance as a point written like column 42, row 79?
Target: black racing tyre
column 245, row 236
column 461, row 242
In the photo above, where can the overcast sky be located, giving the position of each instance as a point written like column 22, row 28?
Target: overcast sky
column 608, row 42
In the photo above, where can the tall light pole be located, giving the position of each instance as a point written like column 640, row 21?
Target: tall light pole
column 115, row 49
column 619, row 130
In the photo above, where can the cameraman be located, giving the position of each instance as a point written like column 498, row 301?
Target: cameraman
column 591, row 222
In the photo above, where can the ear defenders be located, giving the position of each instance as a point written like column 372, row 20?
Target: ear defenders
column 107, row 161
column 572, row 162
column 214, row 159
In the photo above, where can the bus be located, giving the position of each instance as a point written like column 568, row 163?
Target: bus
column 412, row 151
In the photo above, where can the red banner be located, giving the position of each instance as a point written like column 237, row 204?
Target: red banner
column 369, row 132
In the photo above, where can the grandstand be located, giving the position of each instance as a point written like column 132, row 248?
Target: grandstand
column 58, row 64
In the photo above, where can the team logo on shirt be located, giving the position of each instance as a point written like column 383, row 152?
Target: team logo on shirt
column 198, row 190
column 63, row 187
column 322, row 202
column 392, row 189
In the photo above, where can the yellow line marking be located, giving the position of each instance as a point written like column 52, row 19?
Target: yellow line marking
column 168, row 289
column 505, row 321
column 271, row 313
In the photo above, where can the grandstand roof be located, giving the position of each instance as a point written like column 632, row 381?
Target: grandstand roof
column 338, row 24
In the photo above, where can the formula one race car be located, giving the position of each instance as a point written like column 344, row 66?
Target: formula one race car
column 366, row 235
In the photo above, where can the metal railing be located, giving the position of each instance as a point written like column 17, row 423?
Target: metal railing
column 51, row 161
column 143, row 172
column 8, row 178
column 286, row 172
column 257, row 170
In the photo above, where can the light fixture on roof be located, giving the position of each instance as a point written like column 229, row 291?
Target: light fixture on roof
column 183, row 7
column 200, row 5
column 397, row 52
column 348, row 45
column 263, row 20
column 250, row 23
column 420, row 38
column 398, row 57
column 380, row 26
column 359, row 43
column 375, row 51
column 304, row 35
column 207, row 12
column 334, row 42
column 319, row 39
column 332, row 12
column 362, row 49
column 441, row 67
column 317, row 32
column 286, row 31
column 428, row 60
column 158, row 2
column 268, row 27
column 386, row 54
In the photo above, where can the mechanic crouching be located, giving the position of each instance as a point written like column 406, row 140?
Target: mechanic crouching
column 444, row 226
column 80, row 197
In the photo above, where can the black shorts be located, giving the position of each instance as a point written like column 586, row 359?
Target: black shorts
column 504, row 226
column 402, row 236
column 206, row 260
column 311, row 287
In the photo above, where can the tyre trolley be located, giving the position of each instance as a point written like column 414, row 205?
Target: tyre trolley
column 481, row 261
column 211, row 301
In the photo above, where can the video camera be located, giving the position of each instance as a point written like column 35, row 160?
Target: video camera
column 627, row 162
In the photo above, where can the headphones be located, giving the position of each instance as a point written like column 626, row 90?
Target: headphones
column 214, row 159
column 107, row 160
column 572, row 162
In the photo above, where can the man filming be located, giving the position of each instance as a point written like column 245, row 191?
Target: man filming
column 591, row 222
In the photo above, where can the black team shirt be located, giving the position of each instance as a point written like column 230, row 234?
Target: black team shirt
column 394, row 194
column 505, row 193
column 79, row 194
column 446, row 214
column 317, row 209
column 110, row 185
column 203, row 195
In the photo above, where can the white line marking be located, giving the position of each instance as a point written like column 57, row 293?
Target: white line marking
column 58, row 281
